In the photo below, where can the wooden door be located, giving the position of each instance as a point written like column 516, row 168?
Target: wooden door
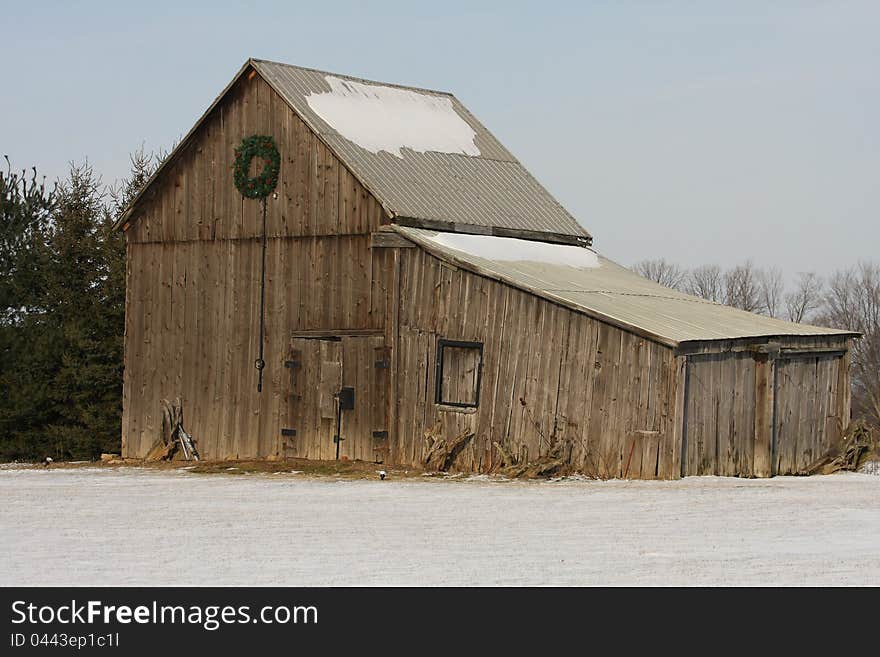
column 806, row 414
column 719, row 429
column 319, row 368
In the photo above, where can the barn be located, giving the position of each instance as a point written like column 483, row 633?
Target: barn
column 404, row 280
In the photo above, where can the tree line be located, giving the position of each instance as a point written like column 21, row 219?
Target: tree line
column 62, row 311
column 847, row 299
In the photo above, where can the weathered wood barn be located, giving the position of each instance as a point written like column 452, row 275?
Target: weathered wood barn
column 418, row 280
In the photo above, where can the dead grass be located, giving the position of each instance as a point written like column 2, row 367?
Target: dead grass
column 343, row 469
column 346, row 469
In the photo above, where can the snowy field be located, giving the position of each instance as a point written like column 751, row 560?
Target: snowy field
column 148, row 527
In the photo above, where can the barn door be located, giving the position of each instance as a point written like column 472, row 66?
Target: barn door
column 719, row 427
column 806, row 415
column 319, row 369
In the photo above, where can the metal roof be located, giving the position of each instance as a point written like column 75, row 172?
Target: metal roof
column 606, row 290
column 489, row 193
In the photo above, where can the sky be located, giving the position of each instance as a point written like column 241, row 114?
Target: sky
column 700, row 132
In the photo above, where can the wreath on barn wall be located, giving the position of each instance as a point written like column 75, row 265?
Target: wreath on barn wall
column 263, row 184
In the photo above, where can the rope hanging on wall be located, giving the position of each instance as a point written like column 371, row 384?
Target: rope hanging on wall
column 260, row 364
column 259, row 186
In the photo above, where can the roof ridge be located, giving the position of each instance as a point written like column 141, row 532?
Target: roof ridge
column 355, row 78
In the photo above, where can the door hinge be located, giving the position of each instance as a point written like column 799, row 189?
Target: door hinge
column 288, row 432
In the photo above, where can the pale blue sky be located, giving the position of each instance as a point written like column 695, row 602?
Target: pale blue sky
column 697, row 131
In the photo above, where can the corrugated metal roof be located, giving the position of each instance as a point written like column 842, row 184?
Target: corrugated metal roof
column 607, row 290
column 454, row 191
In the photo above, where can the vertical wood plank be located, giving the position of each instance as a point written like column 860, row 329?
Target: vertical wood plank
column 844, row 392
column 762, row 466
column 676, row 464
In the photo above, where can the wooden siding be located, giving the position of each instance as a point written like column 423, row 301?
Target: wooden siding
column 548, row 375
column 193, row 276
column 766, row 344
column 194, row 198
column 192, row 331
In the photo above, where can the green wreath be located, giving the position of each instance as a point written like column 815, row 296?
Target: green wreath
column 263, row 184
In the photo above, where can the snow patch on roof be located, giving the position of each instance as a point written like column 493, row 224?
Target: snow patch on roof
column 379, row 118
column 510, row 249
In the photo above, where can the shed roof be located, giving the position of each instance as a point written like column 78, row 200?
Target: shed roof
column 580, row 278
column 421, row 153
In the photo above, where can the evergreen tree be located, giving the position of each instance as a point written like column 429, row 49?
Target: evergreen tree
column 86, row 321
column 62, row 297
column 26, row 208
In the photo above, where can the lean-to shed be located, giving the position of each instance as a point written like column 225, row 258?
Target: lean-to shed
column 410, row 277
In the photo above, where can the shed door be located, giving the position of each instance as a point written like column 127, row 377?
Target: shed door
column 719, row 429
column 319, row 368
column 806, row 414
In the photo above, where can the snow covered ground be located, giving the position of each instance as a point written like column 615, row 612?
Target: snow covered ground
column 148, row 527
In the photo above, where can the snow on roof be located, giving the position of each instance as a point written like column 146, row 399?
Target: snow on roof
column 510, row 249
column 381, row 118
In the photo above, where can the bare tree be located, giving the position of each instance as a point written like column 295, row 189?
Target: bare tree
column 661, row 271
column 771, row 290
column 852, row 302
column 805, row 299
column 706, row 282
column 741, row 288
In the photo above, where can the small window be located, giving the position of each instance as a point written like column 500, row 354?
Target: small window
column 459, row 367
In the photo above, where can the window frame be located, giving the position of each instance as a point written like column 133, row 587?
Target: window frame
column 442, row 343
